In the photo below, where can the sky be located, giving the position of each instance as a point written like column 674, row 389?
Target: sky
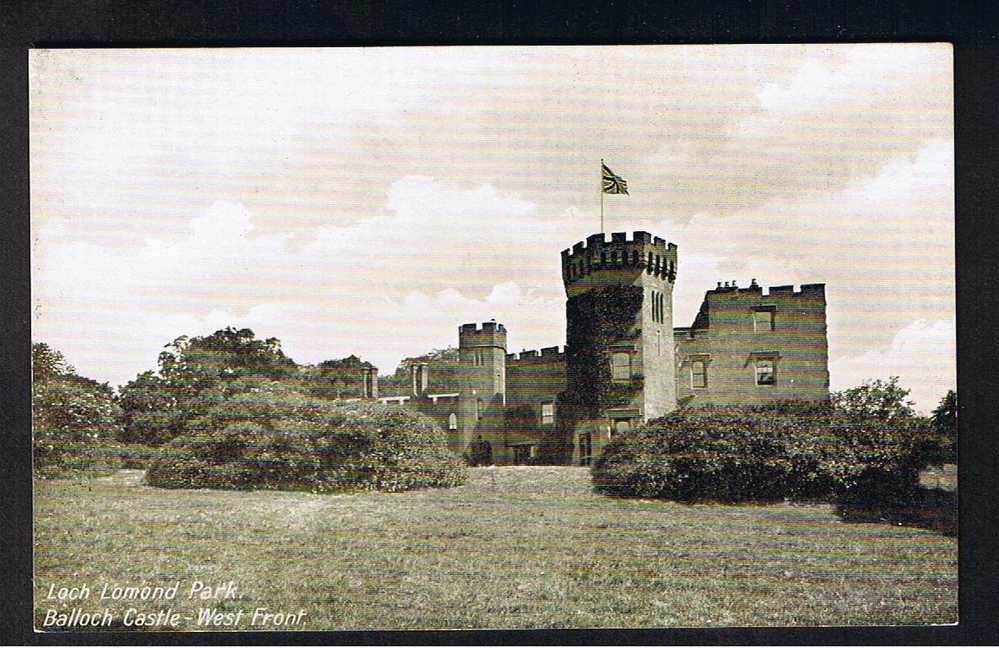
column 368, row 201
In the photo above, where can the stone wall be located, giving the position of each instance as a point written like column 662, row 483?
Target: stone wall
column 736, row 329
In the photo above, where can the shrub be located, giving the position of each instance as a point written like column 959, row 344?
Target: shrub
column 275, row 438
column 768, row 453
column 89, row 458
column 681, row 457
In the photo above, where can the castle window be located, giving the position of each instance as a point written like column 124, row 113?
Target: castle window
column 548, row 413
column 614, row 257
column 452, row 421
column 699, row 374
column 619, row 426
column 650, row 262
column 621, row 367
column 634, row 257
column 658, row 306
column 766, row 373
column 763, row 320
column 603, row 257
column 478, row 409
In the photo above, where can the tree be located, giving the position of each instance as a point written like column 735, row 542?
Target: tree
column 449, row 353
column 227, row 357
column 337, row 378
column 73, row 408
column 944, row 417
column 71, row 416
column 194, row 373
column 884, row 399
column 445, row 375
column 149, row 410
column 47, row 363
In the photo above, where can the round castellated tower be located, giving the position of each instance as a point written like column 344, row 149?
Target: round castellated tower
column 644, row 357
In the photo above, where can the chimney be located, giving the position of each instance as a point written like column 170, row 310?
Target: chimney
column 371, row 383
column 424, row 378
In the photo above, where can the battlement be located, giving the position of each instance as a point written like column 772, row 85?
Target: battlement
column 813, row 289
column 491, row 325
column 490, row 333
column 642, row 250
column 547, row 354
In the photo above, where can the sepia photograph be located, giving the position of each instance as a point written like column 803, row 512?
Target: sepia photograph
column 493, row 337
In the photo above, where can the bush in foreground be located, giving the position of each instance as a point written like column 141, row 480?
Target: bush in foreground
column 280, row 439
column 766, row 454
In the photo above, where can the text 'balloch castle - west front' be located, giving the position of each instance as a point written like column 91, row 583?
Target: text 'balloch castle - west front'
column 624, row 362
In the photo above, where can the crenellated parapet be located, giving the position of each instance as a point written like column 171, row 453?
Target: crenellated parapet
column 546, row 354
column 808, row 290
column 728, row 303
column 642, row 252
column 487, row 334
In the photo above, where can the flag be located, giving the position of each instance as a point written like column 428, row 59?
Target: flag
column 613, row 184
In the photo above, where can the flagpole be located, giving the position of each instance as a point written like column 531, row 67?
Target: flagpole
column 601, row 195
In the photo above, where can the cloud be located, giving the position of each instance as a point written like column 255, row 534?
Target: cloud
column 830, row 118
column 884, row 245
column 921, row 354
column 384, row 288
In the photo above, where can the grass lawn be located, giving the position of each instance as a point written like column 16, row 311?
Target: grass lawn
column 516, row 547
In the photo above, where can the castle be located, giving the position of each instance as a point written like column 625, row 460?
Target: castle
column 624, row 362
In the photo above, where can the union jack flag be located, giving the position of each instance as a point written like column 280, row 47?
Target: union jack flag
column 613, row 183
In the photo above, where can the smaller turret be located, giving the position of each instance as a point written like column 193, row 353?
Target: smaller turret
column 482, row 374
column 489, row 334
column 482, row 355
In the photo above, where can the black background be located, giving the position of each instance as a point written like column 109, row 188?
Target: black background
column 971, row 27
